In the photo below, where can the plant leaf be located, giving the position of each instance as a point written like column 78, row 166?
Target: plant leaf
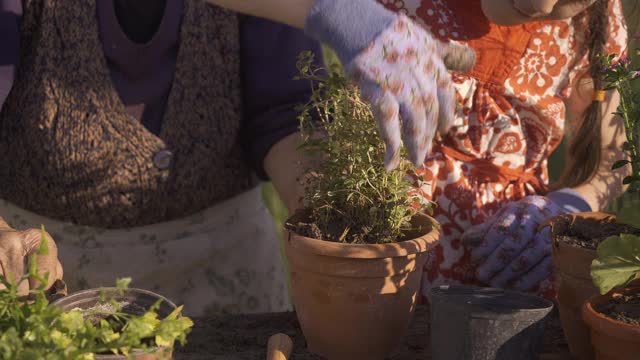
column 617, row 263
column 620, row 163
column 629, row 179
column 44, row 245
column 122, row 285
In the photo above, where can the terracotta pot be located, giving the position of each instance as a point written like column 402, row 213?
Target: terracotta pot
column 611, row 339
column 573, row 271
column 356, row 301
column 139, row 301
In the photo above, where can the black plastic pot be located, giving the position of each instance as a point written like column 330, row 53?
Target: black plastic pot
column 472, row 323
column 137, row 301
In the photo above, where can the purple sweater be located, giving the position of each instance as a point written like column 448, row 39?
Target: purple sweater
column 140, row 42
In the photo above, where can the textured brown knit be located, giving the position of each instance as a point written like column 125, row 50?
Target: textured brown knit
column 69, row 150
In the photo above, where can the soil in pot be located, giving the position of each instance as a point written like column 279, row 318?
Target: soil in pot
column 625, row 308
column 575, row 240
column 588, row 233
column 132, row 301
column 614, row 322
column 335, row 232
column 354, row 301
column 473, row 323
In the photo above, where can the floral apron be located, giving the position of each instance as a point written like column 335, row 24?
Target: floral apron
column 511, row 118
column 225, row 259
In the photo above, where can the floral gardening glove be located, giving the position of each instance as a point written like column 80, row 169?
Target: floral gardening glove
column 399, row 67
column 511, row 250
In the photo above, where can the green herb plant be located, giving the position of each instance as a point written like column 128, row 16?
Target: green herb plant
column 618, row 257
column 349, row 197
column 620, row 76
column 34, row 329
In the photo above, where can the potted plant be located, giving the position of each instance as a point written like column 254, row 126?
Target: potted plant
column 575, row 237
column 357, row 247
column 613, row 317
column 114, row 323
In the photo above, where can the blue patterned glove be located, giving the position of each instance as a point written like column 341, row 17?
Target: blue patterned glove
column 509, row 249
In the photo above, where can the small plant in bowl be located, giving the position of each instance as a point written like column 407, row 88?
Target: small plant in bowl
column 357, row 247
column 614, row 316
column 32, row 328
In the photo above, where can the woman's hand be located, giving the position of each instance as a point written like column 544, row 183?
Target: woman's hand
column 510, row 248
column 15, row 249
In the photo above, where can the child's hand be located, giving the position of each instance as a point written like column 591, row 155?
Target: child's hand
column 552, row 9
column 510, row 248
column 400, row 68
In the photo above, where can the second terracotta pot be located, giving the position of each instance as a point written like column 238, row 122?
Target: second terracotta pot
column 611, row 339
column 573, row 271
column 356, row 301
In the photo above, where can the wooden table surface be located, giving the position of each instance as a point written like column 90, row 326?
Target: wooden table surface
column 245, row 337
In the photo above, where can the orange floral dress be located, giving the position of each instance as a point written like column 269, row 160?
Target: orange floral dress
column 512, row 117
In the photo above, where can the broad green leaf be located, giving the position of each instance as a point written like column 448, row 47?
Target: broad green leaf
column 617, row 263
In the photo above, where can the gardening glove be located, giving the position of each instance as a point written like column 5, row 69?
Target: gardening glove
column 15, row 249
column 552, row 9
column 510, row 248
column 399, row 67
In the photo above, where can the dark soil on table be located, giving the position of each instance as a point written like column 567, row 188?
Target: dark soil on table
column 241, row 337
column 625, row 308
column 590, row 233
column 245, row 337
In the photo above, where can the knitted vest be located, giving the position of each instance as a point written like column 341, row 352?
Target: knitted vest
column 71, row 152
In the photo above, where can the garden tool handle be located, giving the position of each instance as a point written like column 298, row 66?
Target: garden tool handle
column 279, row 347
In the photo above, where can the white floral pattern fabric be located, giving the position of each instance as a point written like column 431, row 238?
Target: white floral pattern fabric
column 223, row 260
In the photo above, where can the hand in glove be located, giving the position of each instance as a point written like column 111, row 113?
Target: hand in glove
column 400, row 68
column 511, row 250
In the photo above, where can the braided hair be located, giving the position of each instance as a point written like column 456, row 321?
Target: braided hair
column 584, row 151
